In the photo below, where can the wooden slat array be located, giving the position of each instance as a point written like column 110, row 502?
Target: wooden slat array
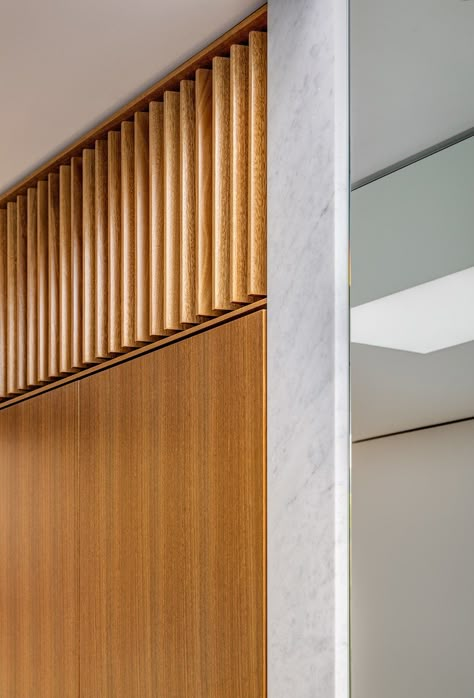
column 153, row 227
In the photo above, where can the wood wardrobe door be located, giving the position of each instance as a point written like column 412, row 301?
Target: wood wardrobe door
column 39, row 620
column 172, row 520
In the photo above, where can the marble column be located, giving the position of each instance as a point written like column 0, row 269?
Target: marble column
column 308, row 349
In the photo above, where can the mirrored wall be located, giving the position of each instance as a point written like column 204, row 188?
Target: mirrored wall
column 412, row 349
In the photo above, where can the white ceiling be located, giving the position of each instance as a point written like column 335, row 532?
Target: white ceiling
column 412, row 77
column 66, row 65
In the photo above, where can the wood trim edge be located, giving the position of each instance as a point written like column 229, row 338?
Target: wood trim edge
column 146, row 349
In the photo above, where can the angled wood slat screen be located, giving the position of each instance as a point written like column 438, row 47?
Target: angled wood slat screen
column 146, row 228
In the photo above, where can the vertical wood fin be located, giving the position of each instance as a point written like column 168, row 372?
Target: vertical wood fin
column 53, row 274
column 76, row 265
column 21, row 289
column 239, row 117
column 101, row 250
column 257, row 273
column 221, row 184
column 188, row 203
column 65, row 257
column 142, row 214
column 88, row 255
column 172, row 211
column 128, row 234
column 156, row 219
column 114, row 209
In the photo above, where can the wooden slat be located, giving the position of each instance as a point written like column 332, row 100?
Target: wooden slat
column 172, row 211
column 32, row 290
column 43, row 282
column 53, row 275
column 12, row 326
column 88, row 255
column 188, row 204
column 204, row 193
column 156, row 219
column 257, row 282
column 221, row 184
column 239, row 57
column 3, row 303
column 101, row 250
column 114, row 204
column 21, row 289
column 142, row 214
column 128, row 234
column 65, row 256
column 76, row 264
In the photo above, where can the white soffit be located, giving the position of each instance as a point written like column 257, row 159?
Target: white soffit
column 425, row 318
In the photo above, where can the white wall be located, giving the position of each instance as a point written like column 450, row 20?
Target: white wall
column 413, row 565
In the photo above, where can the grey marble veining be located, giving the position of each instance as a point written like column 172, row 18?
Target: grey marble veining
column 308, row 343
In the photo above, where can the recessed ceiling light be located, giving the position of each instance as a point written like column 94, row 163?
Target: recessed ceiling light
column 421, row 319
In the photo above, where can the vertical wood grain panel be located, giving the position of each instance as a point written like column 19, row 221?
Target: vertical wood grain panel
column 76, row 264
column 258, row 164
column 65, row 278
column 53, row 275
column 39, row 548
column 172, row 211
column 188, row 203
column 204, row 193
column 32, row 289
column 3, row 303
column 114, row 204
column 142, row 218
column 156, row 219
column 239, row 117
column 101, row 250
column 128, row 234
column 43, row 282
column 172, row 521
column 221, row 184
column 12, row 328
column 21, row 289
column 88, row 255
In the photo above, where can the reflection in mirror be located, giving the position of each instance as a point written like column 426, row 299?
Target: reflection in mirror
column 412, row 363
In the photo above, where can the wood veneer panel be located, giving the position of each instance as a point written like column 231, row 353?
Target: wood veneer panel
column 258, row 164
column 204, row 193
column 76, row 265
column 172, row 520
column 43, row 282
column 65, row 278
column 188, row 203
column 39, row 650
column 156, row 219
column 239, row 117
column 127, row 169
column 142, row 218
column 88, row 257
column 3, row 303
column 53, row 275
column 221, row 184
column 172, row 211
column 32, row 289
column 114, row 207
column 12, row 325
column 101, row 250
column 21, row 289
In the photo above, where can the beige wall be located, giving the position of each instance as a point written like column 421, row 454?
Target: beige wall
column 413, row 565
